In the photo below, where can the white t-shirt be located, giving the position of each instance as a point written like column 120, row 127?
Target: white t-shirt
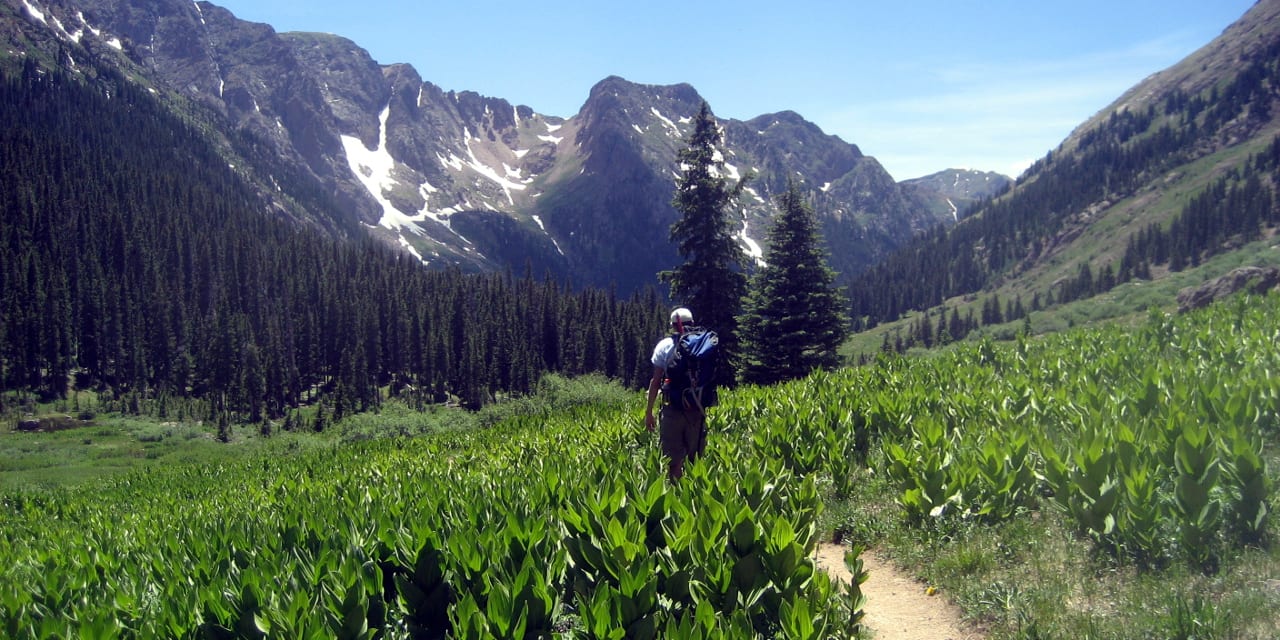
column 663, row 353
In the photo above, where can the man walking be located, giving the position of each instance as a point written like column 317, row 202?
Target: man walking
column 682, row 431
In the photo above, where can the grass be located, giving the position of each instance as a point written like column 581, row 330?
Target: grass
column 107, row 444
column 90, row 444
column 115, row 444
column 1032, row 577
column 1028, row 577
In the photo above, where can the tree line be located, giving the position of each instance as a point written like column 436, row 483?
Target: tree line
column 1234, row 209
column 136, row 262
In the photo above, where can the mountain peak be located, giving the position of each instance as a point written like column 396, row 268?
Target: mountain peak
column 962, row 187
column 326, row 132
column 617, row 91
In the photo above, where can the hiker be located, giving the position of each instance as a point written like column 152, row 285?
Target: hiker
column 682, row 432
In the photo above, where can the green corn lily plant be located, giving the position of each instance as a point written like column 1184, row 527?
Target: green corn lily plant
column 1196, row 504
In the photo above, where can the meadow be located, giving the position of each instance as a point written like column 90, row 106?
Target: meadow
column 1107, row 482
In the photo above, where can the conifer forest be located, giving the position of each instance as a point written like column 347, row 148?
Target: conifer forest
column 135, row 263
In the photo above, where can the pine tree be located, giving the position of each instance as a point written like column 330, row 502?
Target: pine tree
column 224, row 427
column 793, row 319
column 322, row 419
column 956, row 330
column 942, row 337
column 711, row 282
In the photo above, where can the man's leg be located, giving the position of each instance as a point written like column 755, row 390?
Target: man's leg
column 674, row 430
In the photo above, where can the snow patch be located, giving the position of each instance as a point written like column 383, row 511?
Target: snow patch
column 404, row 242
column 80, row 17
column 35, row 13
column 552, row 139
column 112, row 42
column 750, row 246
column 955, row 212
column 373, row 168
column 666, row 121
column 544, row 230
column 490, row 173
column 58, row 24
column 826, row 187
column 452, row 162
column 733, row 172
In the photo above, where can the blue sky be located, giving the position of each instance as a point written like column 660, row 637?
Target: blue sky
column 921, row 85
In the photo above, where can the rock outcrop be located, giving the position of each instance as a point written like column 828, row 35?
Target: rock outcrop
column 1254, row 279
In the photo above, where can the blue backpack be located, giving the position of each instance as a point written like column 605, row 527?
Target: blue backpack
column 691, row 376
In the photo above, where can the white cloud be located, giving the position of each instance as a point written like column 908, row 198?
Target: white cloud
column 994, row 117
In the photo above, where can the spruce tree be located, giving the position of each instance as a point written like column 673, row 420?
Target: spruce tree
column 793, row 319
column 711, row 282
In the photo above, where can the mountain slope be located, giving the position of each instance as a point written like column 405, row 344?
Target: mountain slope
column 136, row 262
column 961, row 188
column 1118, row 200
column 331, row 136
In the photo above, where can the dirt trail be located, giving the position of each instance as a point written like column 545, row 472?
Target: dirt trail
column 897, row 606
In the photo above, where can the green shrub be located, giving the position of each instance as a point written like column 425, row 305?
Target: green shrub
column 395, row 419
column 557, row 393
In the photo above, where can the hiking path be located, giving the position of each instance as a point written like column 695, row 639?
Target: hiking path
column 898, row 607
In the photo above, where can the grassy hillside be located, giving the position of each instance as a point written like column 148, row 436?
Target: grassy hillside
column 1127, row 303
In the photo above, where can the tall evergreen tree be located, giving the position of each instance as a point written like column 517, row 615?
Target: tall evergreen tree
column 793, row 318
column 711, row 281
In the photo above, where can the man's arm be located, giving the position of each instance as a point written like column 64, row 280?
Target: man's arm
column 655, row 384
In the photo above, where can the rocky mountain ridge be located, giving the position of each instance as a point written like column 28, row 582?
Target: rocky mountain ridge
column 962, row 188
column 456, row 178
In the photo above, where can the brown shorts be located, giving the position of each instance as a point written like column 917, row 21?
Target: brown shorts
column 682, row 433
